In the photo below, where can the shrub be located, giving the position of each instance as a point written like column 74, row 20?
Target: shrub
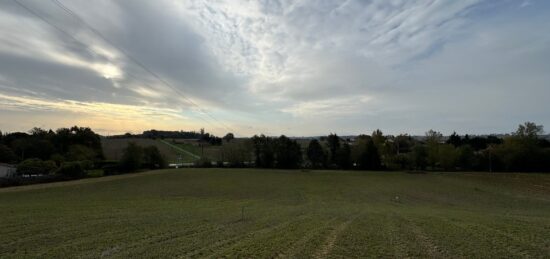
column 203, row 162
column 36, row 166
column 71, row 170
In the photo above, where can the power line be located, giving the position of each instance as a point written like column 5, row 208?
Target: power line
column 64, row 32
column 136, row 61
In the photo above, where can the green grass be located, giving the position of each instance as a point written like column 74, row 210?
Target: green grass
column 209, row 152
column 197, row 213
column 184, row 153
column 113, row 148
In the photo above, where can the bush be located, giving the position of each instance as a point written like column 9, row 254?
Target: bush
column 203, row 162
column 35, row 166
column 71, row 170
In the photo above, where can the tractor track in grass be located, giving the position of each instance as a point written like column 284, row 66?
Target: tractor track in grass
column 292, row 250
column 426, row 242
column 327, row 247
column 232, row 242
column 470, row 228
column 511, row 237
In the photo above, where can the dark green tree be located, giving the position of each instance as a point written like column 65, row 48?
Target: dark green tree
column 420, row 157
column 80, row 153
column 466, row 159
column 344, row 157
column 369, row 159
column 263, row 151
column 333, row 145
column 288, row 153
column 152, row 158
column 228, row 137
column 7, row 155
column 455, row 140
column 316, row 155
column 132, row 158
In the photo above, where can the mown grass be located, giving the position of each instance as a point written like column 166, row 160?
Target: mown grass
column 113, row 148
column 197, row 213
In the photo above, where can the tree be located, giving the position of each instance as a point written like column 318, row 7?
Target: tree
column 454, row 140
column 131, row 158
column 403, row 143
column 369, row 159
column 529, row 130
column 152, row 158
column 315, row 154
column 344, row 157
column 228, row 137
column 521, row 151
column 80, row 153
column 378, row 138
column 433, row 140
column 447, row 157
column 419, row 156
column 237, row 152
column 7, row 155
column 334, row 145
column 466, row 159
column 263, row 151
column 288, row 153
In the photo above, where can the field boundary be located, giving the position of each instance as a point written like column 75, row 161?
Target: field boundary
column 79, row 181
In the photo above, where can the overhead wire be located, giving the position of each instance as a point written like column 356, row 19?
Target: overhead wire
column 130, row 57
column 135, row 60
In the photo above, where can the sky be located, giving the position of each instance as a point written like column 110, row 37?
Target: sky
column 293, row 67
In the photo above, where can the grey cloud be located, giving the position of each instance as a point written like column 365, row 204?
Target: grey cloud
column 397, row 65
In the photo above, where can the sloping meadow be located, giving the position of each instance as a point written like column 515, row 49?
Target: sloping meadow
column 270, row 213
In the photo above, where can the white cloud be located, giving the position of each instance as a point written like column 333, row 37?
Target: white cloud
column 286, row 64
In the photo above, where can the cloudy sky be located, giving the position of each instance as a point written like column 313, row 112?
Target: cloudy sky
column 275, row 66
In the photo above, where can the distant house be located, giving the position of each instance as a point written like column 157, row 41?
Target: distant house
column 7, row 170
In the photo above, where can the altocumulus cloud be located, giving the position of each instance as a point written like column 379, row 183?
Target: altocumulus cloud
column 277, row 67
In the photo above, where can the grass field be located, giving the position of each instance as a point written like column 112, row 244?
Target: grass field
column 174, row 151
column 113, row 147
column 198, row 213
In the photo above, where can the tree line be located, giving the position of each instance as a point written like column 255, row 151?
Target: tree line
column 165, row 134
column 69, row 153
column 520, row 151
column 72, row 152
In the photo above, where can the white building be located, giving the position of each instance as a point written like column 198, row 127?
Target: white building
column 7, row 170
